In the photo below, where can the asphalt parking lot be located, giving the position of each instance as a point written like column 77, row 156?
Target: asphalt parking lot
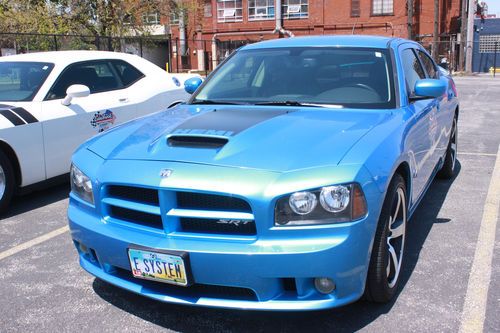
column 444, row 284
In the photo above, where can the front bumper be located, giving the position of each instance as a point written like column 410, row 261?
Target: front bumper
column 261, row 266
column 272, row 270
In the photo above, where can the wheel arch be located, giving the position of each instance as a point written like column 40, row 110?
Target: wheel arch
column 11, row 155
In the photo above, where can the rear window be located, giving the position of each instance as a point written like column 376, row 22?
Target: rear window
column 128, row 73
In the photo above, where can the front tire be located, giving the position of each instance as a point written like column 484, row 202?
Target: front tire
column 388, row 247
column 6, row 182
column 448, row 169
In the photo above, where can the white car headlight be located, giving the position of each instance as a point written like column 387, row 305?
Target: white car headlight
column 338, row 203
column 81, row 185
column 303, row 203
column 334, row 199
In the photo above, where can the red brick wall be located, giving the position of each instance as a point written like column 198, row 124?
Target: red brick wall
column 329, row 17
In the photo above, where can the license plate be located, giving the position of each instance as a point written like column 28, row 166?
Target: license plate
column 158, row 266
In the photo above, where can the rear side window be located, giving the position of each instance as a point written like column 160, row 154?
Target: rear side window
column 412, row 69
column 97, row 75
column 128, row 73
column 428, row 64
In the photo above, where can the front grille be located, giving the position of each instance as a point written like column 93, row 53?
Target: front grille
column 195, row 290
column 190, row 200
column 220, row 226
column 135, row 216
column 138, row 194
column 188, row 212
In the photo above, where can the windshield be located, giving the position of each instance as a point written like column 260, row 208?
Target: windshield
column 336, row 76
column 20, row 81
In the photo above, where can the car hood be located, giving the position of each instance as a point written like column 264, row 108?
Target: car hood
column 274, row 138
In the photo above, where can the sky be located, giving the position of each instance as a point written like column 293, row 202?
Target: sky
column 493, row 7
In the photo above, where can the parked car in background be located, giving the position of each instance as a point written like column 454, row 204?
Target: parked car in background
column 285, row 183
column 51, row 102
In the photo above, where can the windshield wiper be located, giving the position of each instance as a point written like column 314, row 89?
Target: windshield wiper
column 211, row 101
column 296, row 103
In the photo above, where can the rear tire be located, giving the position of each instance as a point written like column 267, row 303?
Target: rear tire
column 388, row 247
column 448, row 169
column 7, row 182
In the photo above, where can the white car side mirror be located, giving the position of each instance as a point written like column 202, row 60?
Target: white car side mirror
column 75, row 90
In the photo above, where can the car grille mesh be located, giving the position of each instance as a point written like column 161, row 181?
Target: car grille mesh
column 141, row 206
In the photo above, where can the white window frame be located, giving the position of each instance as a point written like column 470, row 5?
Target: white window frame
column 229, row 11
column 263, row 16
column 294, row 9
column 382, row 7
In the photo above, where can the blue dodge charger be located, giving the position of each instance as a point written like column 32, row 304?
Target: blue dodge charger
column 286, row 182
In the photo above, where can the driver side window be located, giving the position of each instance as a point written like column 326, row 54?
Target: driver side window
column 98, row 76
column 412, row 69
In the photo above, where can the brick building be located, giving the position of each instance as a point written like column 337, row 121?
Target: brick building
column 201, row 40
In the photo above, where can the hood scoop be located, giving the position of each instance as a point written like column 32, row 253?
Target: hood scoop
column 196, row 141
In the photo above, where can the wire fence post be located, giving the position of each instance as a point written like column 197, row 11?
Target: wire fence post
column 55, row 42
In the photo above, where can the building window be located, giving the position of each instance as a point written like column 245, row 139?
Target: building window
column 295, row 9
column 260, row 10
column 355, row 9
column 151, row 18
column 207, row 9
column 382, row 7
column 174, row 17
column 487, row 43
column 229, row 11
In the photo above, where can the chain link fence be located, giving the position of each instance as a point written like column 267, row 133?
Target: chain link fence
column 202, row 56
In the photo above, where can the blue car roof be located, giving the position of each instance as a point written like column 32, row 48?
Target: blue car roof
column 332, row 40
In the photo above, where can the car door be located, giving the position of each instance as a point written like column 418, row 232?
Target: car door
column 66, row 127
column 441, row 124
column 420, row 137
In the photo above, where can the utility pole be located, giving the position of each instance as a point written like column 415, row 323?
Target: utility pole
column 470, row 37
column 410, row 19
column 435, row 36
column 463, row 32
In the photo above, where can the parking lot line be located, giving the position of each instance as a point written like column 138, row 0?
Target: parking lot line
column 33, row 242
column 474, row 310
column 476, row 154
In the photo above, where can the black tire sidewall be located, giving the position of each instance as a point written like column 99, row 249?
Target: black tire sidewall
column 9, row 182
column 448, row 169
column 377, row 285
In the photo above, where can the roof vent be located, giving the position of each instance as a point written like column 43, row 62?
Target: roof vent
column 190, row 141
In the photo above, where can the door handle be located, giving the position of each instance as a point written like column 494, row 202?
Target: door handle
column 123, row 100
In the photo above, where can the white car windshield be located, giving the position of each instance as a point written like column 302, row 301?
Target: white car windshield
column 20, row 81
column 331, row 76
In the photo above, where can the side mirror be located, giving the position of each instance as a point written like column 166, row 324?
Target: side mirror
column 430, row 88
column 75, row 90
column 190, row 85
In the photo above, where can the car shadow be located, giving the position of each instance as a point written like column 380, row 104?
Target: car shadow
column 38, row 198
column 350, row 318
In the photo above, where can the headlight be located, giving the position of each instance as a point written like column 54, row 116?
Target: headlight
column 302, row 203
column 335, row 199
column 81, row 185
column 338, row 203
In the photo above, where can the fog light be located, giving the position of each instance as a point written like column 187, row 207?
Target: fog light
column 324, row 285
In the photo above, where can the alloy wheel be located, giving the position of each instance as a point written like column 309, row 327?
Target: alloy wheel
column 396, row 237
column 2, row 182
column 453, row 144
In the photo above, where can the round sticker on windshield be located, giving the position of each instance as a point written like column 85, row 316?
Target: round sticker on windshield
column 176, row 81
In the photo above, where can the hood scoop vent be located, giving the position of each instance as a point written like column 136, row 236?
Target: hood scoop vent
column 196, row 141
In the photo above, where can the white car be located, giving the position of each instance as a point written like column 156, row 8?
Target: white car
column 51, row 102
